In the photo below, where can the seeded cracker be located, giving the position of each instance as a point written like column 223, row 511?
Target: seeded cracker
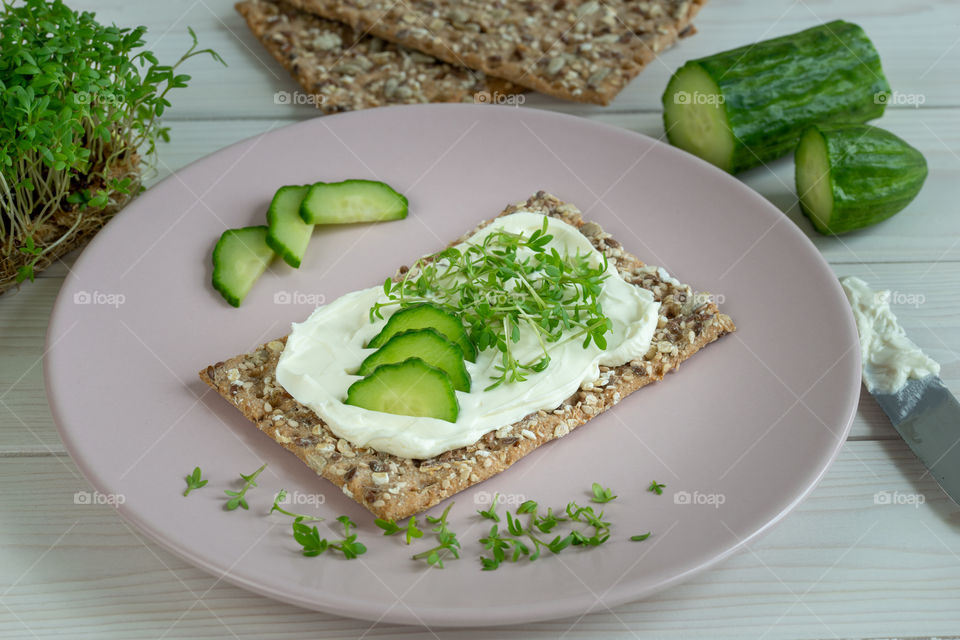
column 584, row 50
column 394, row 487
column 350, row 71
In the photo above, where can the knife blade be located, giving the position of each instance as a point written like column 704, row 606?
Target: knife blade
column 927, row 417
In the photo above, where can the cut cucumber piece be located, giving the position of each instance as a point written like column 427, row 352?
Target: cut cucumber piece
column 429, row 346
column 408, row 388
column 744, row 107
column 288, row 234
column 240, row 257
column 352, row 201
column 849, row 177
column 426, row 316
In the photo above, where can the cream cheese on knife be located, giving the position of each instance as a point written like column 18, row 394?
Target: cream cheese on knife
column 889, row 357
column 322, row 353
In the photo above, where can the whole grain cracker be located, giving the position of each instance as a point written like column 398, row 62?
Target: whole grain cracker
column 342, row 70
column 394, row 487
column 583, row 50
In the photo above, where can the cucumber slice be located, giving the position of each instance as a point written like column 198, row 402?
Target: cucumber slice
column 744, row 107
column 408, row 388
column 426, row 316
column 429, row 346
column 352, row 201
column 240, row 257
column 850, row 177
column 288, row 235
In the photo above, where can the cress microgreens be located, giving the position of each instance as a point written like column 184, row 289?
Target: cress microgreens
column 601, row 495
column 513, row 545
column 391, row 527
column 79, row 121
column 309, row 538
column 505, row 283
column 641, row 537
column 238, row 498
column 446, row 538
column 300, row 517
column 656, row 488
column 194, row 481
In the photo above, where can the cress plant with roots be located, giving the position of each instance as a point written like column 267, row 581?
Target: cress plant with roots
column 80, row 108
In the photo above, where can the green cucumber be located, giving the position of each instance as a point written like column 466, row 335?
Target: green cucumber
column 352, row 201
column 288, row 234
column 853, row 176
column 240, row 257
column 427, row 316
column 408, row 388
column 744, row 107
column 429, row 346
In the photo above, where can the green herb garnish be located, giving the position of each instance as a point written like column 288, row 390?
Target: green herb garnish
column 194, row 481
column 641, row 537
column 656, row 488
column 491, row 513
column 520, row 541
column 391, row 527
column 447, row 541
column 238, row 498
column 313, row 545
column 505, row 283
column 79, row 121
column 280, row 497
column 601, row 495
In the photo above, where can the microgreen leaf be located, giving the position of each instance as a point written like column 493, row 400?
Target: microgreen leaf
column 194, row 481
column 279, row 498
column 656, row 487
column 238, row 498
column 446, row 539
column 641, row 537
column 601, row 495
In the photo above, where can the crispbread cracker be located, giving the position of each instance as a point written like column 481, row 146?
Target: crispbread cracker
column 394, row 487
column 341, row 69
column 584, row 50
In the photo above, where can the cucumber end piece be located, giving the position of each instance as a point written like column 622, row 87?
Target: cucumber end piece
column 813, row 180
column 695, row 119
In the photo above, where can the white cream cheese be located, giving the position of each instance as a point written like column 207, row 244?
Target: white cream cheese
column 316, row 364
column 889, row 357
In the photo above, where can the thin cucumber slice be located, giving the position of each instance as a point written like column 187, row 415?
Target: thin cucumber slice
column 853, row 176
column 240, row 257
column 288, row 235
column 741, row 108
column 352, row 201
column 427, row 316
column 408, row 388
column 429, row 346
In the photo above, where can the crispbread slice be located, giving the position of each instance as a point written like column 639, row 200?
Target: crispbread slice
column 394, row 487
column 584, row 50
column 341, row 69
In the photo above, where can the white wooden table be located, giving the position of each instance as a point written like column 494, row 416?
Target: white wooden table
column 841, row 565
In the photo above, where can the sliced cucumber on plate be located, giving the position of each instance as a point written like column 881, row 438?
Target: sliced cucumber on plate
column 288, row 235
column 352, row 201
column 239, row 258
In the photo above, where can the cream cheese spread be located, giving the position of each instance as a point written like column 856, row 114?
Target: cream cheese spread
column 889, row 357
column 322, row 353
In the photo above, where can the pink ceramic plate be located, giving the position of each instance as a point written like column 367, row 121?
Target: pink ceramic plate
column 740, row 435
